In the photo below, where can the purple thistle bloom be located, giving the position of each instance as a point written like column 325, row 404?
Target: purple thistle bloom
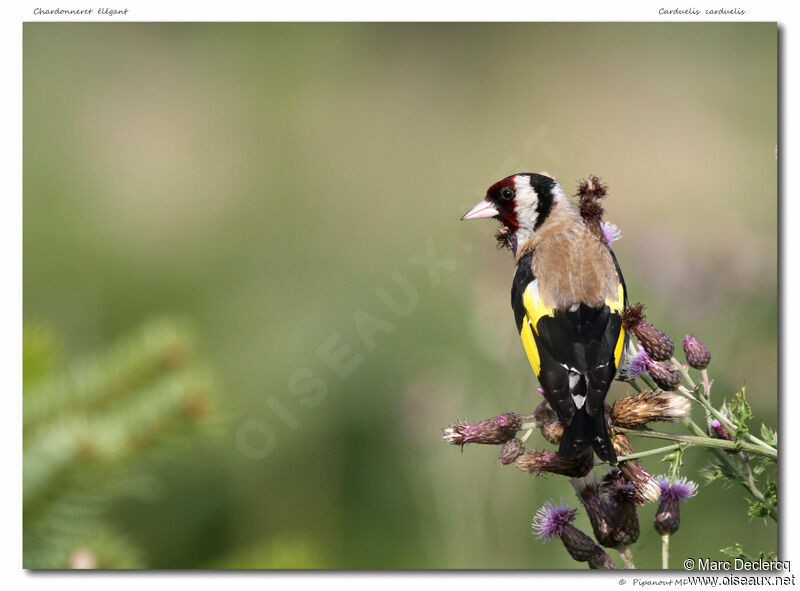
column 667, row 519
column 638, row 364
column 680, row 490
column 611, row 233
column 551, row 520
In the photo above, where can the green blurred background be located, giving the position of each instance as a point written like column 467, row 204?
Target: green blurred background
column 263, row 182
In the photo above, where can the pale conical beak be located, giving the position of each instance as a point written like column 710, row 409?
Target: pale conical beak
column 484, row 209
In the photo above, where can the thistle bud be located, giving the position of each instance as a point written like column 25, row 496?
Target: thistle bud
column 697, row 354
column 647, row 406
column 720, row 430
column 598, row 509
column 601, row 560
column 626, row 526
column 645, row 486
column 657, row 344
column 664, row 375
column 510, row 451
column 556, row 521
column 668, row 516
column 492, row 431
column 551, row 428
column 539, row 462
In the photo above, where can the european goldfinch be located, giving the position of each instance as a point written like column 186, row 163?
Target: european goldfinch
column 567, row 295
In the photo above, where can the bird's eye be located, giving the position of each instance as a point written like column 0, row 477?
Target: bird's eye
column 507, row 194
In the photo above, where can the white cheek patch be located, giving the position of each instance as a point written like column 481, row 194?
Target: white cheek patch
column 527, row 200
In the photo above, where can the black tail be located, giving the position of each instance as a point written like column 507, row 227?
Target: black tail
column 585, row 431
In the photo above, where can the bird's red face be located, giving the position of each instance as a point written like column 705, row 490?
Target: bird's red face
column 500, row 203
column 521, row 202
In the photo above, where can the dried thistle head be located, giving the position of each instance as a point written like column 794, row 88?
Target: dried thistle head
column 590, row 191
column 492, row 431
column 551, row 428
column 633, row 472
column 510, row 451
column 647, row 406
column 505, row 238
column 540, row 462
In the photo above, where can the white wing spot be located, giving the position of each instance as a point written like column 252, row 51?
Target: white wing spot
column 573, row 380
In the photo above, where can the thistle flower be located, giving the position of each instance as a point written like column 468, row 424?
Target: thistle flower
column 645, row 486
column 647, row 406
column 601, row 560
column 510, row 451
column 539, row 462
column 697, row 354
column 551, row 428
column 657, row 344
column 600, row 511
column 668, row 516
column 635, row 364
column 551, row 521
column 493, row 431
column 611, row 233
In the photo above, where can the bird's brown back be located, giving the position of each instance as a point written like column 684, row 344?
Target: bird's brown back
column 571, row 263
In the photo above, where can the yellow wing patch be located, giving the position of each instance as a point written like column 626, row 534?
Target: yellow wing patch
column 616, row 306
column 534, row 310
column 534, row 307
column 530, row 346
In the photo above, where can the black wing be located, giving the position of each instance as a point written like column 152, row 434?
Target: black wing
column 575, row 354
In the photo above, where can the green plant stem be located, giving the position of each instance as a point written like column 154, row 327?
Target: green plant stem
column 702, row 441
column 684, row 372
column 649, row 381
column 704, row 398
column 665, row 551
column 634, row 385
column 748, row 482
column 651, row 452
column 729, row 425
